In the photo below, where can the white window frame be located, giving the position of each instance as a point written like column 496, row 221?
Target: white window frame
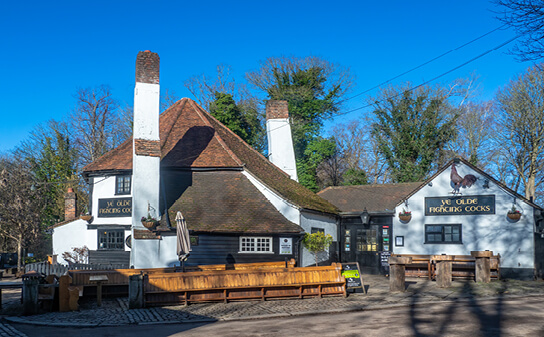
column 245, row 245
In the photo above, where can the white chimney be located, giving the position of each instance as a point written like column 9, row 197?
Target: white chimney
column 280, row 142
column 146, row 143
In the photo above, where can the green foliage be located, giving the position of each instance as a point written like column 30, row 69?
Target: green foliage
column 354, row 176
column 411, row 130
column 53, row 165
column 318, row 150
column 316, row 243
column 241, row 119
column 309, row 103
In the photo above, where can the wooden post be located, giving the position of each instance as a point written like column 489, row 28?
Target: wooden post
column 483, row 265
column 64, row 294
column 443, row 270
column 30, row 296
column 136, row 291
column 397, row 273
column 99, row 279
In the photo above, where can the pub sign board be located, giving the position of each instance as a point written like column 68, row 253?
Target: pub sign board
column 114, row 207
column 460, row 205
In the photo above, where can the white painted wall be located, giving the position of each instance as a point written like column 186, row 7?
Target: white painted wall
column 514, row 241
column 328, row 223
column 104, row 188
column 146, row 170
column 155, row 253
column 280, row 146
column 73, row 235
column 306, row 220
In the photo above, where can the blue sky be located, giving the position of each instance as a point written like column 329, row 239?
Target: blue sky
column 50, row 49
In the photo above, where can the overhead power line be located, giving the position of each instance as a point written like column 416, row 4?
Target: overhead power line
column 437, row 77
column 423, row 64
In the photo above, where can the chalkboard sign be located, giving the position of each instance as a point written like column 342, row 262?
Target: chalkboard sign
column 384, row 258
column 352, row 273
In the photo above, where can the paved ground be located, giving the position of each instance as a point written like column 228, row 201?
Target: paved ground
column 115, row 312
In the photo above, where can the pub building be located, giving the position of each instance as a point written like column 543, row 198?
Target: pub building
column 458, row 210
column 239, row 206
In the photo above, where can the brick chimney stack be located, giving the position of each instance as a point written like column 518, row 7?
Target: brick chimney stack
column 70, row 205
column 280, row 141
column 146, row 146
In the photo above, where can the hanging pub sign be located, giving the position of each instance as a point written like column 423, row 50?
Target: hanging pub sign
column 114, row 207
column 468, row 205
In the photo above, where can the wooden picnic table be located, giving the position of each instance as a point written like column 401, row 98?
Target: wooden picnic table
column 98, row 279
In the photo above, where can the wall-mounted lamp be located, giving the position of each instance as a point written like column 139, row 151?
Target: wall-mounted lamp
column 486, row 184
column 365, row 217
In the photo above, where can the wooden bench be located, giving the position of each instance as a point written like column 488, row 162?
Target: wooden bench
column 262, row 292
column 463, row 266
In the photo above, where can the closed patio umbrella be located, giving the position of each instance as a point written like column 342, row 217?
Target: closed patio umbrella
column 183, row 242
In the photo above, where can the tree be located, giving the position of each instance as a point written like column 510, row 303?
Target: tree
column 360, row 152
column 317, row 153
column 412, row 127
column 20, row 205
column 476, row 126
column 247, row 125
column 95, row 123
column 53, row 163
column 314, row 89
column 317, row 243
column 527, row 19
column 521, row 108
column 205, row 90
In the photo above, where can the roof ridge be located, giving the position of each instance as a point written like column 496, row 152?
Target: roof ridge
column 199, row 110
column 245, row 144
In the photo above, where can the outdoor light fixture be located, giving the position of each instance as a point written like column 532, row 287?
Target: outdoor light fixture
column 365, row 217
column 486, row 184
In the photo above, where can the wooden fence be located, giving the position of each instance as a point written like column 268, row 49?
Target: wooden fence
column 463, row 266
column 242, row 284
column 47, row 268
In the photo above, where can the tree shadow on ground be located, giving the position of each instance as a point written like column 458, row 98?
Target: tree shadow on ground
column 489, row 321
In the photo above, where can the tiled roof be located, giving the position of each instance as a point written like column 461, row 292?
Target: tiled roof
column 187, row 140
column 192, row 138
column 375, row 198
column 223, row 201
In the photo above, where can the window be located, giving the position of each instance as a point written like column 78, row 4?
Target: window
column 122, row 185
column 255, row 244
column 111, row 239
column 443, row 233
column 317, row 230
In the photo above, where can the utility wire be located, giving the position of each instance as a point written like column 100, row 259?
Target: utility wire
column 426, row 82
column 424, row 64
column 435, row 78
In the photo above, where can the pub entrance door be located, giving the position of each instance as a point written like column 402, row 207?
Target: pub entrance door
column 364, row 243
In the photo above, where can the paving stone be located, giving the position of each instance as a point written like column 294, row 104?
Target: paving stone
column 116, row 312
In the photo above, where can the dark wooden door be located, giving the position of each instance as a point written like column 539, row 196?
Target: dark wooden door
column 362, row 244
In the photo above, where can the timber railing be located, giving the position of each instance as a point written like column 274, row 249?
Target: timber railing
column 47, row 268
column 242, row 284
column 463, row 266
column 119, row 277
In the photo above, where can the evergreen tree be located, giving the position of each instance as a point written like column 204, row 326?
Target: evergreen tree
column 411, row 129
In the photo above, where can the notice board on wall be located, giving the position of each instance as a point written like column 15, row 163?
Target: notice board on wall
column 352, row 273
